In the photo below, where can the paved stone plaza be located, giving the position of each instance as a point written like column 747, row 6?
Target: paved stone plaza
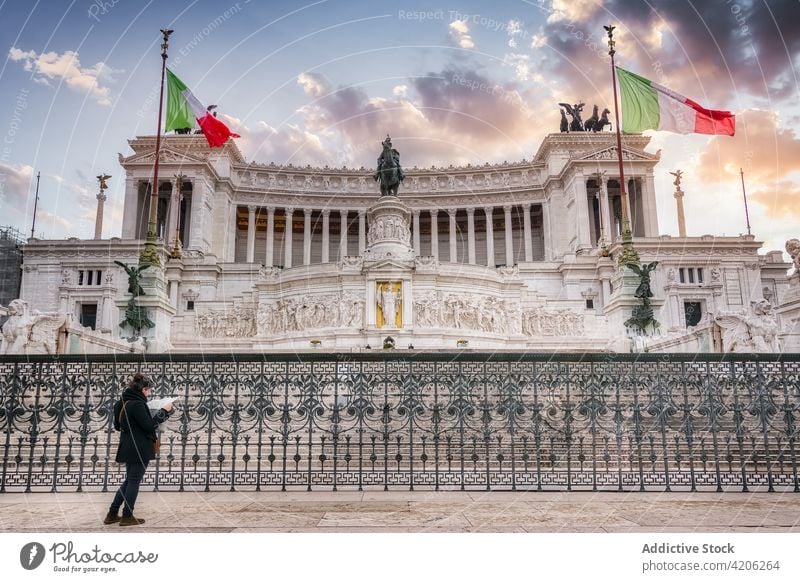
column 381, row 511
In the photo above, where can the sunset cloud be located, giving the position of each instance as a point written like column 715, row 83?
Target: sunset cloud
column 452, row 116
column 766, row 150
column 66, row 67
column 459, row 33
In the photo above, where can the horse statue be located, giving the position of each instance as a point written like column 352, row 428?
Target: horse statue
column 575, row 112
column 603, row 121
column 589, row 124
column 389, row 172
column 564, row 127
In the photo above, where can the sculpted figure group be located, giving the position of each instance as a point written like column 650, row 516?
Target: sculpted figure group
column 311, row 312
column 752, row 330
column 479, row 313
column 231, row 323
column 389, row 227
column 28, row 331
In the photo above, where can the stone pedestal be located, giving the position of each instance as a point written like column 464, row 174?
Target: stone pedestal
column 389, row 235
column 159, row 309
column 788, row 313
column 388, row 264
column 620, row 308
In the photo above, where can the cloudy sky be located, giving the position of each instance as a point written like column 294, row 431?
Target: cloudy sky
column 453, row 82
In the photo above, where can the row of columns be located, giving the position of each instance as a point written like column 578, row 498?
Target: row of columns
column 646, row 197
column 489, row 212
column 287, row 235
column 434, row 214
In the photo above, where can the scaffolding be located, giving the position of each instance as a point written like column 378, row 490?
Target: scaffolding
column 11, row 245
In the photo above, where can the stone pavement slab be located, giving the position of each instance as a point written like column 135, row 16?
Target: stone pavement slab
column 408, row 511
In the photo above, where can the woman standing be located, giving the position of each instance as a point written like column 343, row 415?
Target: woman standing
column 136, row 445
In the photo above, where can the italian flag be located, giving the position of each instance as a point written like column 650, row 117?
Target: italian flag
column 183, row 109
column 648, row 105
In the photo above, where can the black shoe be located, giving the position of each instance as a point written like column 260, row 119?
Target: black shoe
column 130, row 521
column 111, row 518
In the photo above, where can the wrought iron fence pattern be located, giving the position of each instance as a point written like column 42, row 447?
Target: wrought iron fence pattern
column 417, row 420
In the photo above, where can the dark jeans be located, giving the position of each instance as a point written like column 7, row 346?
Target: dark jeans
column 129, row 490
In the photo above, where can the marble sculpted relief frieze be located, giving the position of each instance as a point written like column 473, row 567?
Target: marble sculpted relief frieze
column 539, row 321
column 494, row 315
column 343, row 310
column 391, row 227
column 473, row 312
column 237, row 322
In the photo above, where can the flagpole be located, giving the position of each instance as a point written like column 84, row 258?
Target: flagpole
column 744, row 194
column 628, row 254
column 149, row 255
column 35, row 203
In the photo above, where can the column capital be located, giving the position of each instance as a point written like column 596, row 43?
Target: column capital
column 326, row 212
column 507, row 208
column 251, row 208
column 527, row 206
column 415, row 212
column 434, row 212
column 471, row 211
column 488, row 210
column 288, row 210
column 271, row 210
column 344, row 213
column 308, row 211
column 362, row 212
column 452, row 212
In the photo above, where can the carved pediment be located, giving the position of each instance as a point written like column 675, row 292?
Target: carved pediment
column 389, row 263
column 610, row 153
column 167, row 156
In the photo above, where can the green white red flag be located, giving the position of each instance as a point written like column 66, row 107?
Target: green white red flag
column 648, row 105
column 183, row 109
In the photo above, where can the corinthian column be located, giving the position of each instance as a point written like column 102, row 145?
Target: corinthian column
column 307, row 236
column 435, row 233
column 343, row 235
column 453, row 245
column 489, row 236
column 270, row 235
column 471, row 235
column 526, row 225
column 251, row 233
column 509, row 237
column 287, row 239
column 415, row 218
column 98, row 218
column 326, row 235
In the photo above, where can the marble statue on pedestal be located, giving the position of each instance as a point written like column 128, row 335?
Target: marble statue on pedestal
column 754, row 330
column 28, row 331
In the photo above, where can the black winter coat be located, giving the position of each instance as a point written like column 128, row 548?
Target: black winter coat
column 138, row 427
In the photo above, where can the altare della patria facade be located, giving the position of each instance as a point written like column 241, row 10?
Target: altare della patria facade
column 520, row 255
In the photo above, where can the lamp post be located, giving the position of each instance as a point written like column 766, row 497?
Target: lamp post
column 176, row 249
column 628, row 254
column 149, row 255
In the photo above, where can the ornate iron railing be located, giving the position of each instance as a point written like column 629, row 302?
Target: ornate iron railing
column 391, row 420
